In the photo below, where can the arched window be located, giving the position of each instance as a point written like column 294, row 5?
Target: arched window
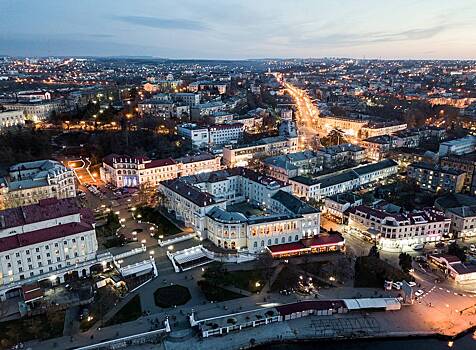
column 296, row 237
column 283, row 240
column 290, row 239
column 262, row 243
column 276, row 241
column 255, row 244
column 269, row 242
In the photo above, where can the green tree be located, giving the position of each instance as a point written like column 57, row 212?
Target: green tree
column 456, row 250
column 374, row 252
column 405, row 262
column 335, row 137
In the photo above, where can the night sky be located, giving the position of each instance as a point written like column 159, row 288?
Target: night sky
column 235, row 29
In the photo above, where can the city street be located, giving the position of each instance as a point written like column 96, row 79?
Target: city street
column 306, row 117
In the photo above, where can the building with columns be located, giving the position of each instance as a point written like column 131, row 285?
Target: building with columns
column 240, row 210
column 127, row 171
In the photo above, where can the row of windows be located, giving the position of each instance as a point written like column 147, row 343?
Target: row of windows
column 46, row 247
column 276, row 241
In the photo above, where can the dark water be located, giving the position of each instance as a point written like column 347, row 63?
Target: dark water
column 465, row 343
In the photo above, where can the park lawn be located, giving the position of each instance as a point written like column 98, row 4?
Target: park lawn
column 245, row 280
column 129, row 312
column 216, row 293
column 287, row 278
column 372, row 272
column 164, row 226
column 170, row 296
column 45, row 326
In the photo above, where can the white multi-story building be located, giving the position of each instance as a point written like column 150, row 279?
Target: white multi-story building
column 241, row 210
column 240, row 155
column 336, row 206
column 33, row 96
column 126, row 171
column 198, row 112
column 252, row 123
column 225, row 133
column 458, row 147
column 463, row 221
column 379, row 129
column 360, row 126
column 9, row 119
column 27, row 183
column 344, row 154
column 38, row 110
column 220, row 118
column 198, row 135
column 400, row 231
column 291, row 165
column 157, row 108
column 201, row 85
column 215, row 135
column 49, row 240
column 197, row 164
column 188, row 98
column 342, row 181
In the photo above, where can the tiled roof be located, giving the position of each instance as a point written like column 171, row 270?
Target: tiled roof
column 190, row 192
column 43, row 235
column 293, row 204
column 159, row 162
column 46, row 209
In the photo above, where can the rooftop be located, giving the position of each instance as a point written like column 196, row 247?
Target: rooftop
column 190, row 192
column 46, row 209
column 43, row 235
column 294, row 204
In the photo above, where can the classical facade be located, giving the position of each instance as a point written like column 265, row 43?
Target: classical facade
column 400, row 231
column 29, row 182
column 126, row 171
column 241, row 210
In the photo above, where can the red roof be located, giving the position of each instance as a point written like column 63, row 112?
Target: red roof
column 323, row 240
column 46, row 209
column 159, row 162
column 286, row 247
column 27, row 288
column 307, row 243
column 31, row 292
column 43, row 235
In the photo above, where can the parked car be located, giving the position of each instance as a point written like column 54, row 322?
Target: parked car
column 419, row 293
column 397, row 285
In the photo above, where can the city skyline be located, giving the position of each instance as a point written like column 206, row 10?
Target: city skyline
column 239, row 29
